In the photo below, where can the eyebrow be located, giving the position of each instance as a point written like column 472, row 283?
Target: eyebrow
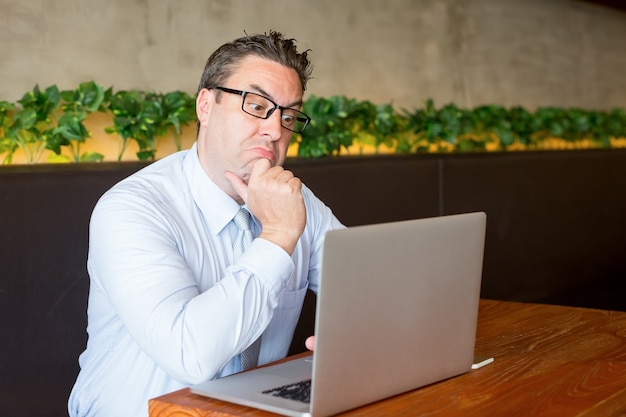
column 266, row 94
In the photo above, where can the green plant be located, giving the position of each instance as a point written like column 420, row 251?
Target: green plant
column 52, row 120
column 576, row 124
column 493, row 127
column 145, row 116
column 338, row 122
column 433, row 126
column 176, row 109
column 33, row 124
column 134, row 119
column 7, row 145
column 378, row 125
column 36, row 126
column 330, row 129
column 608, row 125
column 70, row 131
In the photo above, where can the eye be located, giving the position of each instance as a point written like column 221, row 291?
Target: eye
column 288, row 119
column 257, row 107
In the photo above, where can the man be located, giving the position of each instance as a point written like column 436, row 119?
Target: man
column 171, row 301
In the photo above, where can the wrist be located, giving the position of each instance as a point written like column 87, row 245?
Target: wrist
column 286, row 240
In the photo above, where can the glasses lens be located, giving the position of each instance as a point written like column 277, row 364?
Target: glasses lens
column 260, row 106
column 257, row 105
column 294, row 120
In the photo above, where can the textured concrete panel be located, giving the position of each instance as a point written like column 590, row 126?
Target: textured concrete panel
column 471, row 52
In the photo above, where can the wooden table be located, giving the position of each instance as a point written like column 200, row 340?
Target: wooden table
column 549, row 361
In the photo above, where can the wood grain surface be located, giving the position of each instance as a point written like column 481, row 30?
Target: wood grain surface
column 549, row 361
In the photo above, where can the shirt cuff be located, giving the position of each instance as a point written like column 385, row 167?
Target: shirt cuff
column 270, row 263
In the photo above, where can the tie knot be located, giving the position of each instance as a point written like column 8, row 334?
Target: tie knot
column 242, row 219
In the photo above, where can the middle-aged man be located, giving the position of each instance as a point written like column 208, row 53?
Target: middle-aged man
column 176, row 296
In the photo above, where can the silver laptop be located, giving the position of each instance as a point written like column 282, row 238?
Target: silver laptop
column 396, row 310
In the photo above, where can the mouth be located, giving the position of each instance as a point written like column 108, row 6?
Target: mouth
column 265, row 153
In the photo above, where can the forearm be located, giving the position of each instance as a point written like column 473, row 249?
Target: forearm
column 191, row 316
column 206, row 330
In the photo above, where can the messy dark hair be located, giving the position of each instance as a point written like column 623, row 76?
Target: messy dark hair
column 273, row 46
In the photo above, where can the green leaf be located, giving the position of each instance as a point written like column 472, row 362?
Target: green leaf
column 91, row 157
column 146, row 154
column 54, row 158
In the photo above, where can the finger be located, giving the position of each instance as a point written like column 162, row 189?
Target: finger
column 238, row 185
column 310, row 343
column 261, row 166
column 283, row 176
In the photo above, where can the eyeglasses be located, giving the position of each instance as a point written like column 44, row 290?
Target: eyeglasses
column 262, row 107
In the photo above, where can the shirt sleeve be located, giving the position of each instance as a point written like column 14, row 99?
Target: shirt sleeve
column 134, row 258
column 320, row 220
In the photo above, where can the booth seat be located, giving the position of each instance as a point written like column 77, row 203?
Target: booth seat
column 556, row 227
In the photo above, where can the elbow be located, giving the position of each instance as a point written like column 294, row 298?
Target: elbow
column 195, row 370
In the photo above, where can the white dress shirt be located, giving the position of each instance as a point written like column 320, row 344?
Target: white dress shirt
column 167, row 307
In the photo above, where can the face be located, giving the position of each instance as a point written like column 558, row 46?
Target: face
column 231, row 140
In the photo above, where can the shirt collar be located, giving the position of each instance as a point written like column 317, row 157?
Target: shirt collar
column 217, row 207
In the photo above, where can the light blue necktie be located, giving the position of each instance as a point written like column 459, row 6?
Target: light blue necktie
column 244, row 234
column 250, row 356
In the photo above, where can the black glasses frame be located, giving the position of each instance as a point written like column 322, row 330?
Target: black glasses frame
column 299, row 115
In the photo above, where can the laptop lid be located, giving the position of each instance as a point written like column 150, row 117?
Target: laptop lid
column 397, row 309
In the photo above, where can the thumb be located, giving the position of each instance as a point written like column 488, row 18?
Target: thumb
column 310, row 343
column 238, row 184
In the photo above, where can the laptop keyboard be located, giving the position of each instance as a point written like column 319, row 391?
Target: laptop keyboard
column 298, row 391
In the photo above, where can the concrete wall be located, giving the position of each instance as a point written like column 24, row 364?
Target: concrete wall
column 470, row 52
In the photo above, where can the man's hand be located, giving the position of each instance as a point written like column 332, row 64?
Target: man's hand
column 310, row 343
column 274, row 196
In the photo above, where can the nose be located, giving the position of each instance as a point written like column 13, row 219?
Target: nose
column 272, row 125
